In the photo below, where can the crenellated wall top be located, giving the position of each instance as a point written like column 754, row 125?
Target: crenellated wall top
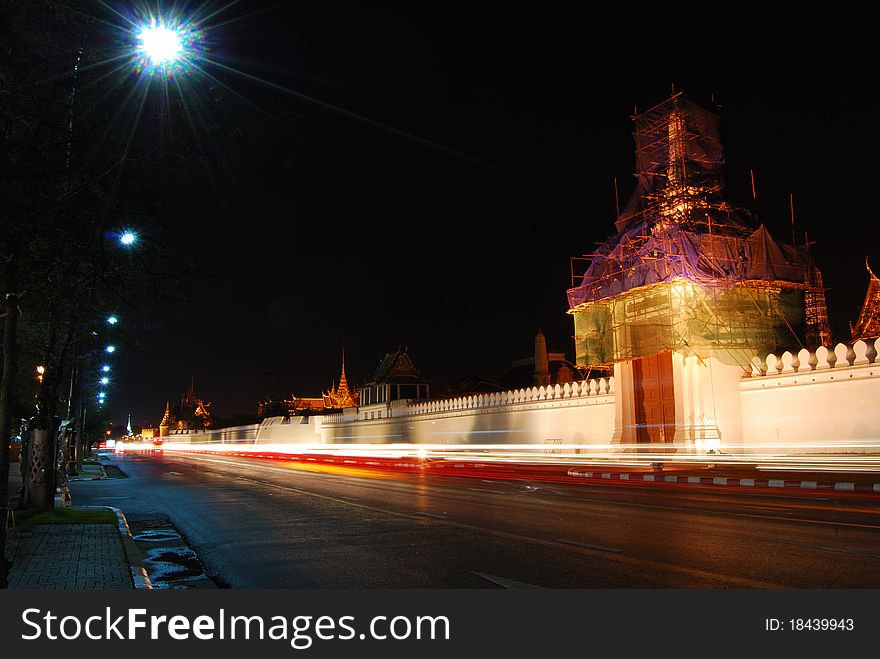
column 860, row 353
column 569, row 391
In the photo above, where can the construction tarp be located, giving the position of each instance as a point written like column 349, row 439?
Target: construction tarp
column 633, row 260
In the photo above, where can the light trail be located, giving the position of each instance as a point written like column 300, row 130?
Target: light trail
column 588, row 455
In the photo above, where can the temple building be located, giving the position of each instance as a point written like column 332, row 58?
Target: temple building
column 688, row 286
column 339, row 397
column 396, row 378
column 192, row 413
column 868, row 324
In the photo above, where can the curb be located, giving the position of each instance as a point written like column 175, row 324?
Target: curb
column 101, row 477
column 839, row 486
column 139, row 577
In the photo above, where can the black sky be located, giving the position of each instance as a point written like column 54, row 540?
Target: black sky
column 335, row 232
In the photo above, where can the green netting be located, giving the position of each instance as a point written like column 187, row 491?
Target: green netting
column 732, row 323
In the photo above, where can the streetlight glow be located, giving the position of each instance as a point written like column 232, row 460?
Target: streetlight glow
column 110, row 349
column 112, row 320
column 105, row 380
column 165, row 46
column 160, row 43
column 105, row 368
column 128, row 238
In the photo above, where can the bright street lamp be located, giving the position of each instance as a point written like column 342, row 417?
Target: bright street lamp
column 112, row 320
column 128, row 238
column 105, row 368
column 165, row 45
column 161, row 44
column 105, row 380
column 110, row 349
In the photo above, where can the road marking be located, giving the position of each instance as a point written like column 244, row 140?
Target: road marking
column 477, row 489
column 443, row 516
column 342, row 496
column 857, row 552
column 589, row 546
column 510, row 584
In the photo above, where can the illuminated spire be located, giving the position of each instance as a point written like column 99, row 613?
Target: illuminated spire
column 341, row 396
column 342, row 391
column 868, row 324
column 166, row 418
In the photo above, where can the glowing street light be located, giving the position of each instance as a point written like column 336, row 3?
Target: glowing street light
column 105, row 368
column 110, row 349
column 128, row 238
column 165, row 45
column 112, row 320
column 105, row 380
column 160, row 43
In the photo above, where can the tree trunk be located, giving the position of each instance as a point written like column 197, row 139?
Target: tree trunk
column 39, row 482
column 10, row 354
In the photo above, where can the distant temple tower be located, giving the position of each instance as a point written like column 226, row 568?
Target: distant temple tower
column 542, row 363
column 868, row 324
column 165, row 424
column 341, row 396
column 687, row 287
column 191, row 414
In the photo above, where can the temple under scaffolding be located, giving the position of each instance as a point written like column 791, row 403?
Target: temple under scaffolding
column 688, row 274
column 687, row 271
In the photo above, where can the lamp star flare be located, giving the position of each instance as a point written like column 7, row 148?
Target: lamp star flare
column 165, row 47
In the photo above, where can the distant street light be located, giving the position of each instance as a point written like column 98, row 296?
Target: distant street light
column 112, row 320
column 110, row 349
column 105, row 380
column 105, row 368
column 128, row 238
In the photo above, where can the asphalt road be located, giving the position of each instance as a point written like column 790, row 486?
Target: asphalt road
column 275, row 524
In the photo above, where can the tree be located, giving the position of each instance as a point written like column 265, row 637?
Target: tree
column 85, row 142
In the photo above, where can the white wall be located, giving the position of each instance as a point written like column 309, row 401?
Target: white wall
column 290, row 430
column 574, row 413
column 822, row 402
column 827, row 401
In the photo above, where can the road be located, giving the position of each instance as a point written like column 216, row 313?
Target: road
column 277, row 524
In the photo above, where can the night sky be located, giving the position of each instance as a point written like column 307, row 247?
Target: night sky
column 476, row 153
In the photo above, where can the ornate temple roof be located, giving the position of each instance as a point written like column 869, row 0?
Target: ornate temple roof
column 868, row 324
column 341, row 396
column 396, row 366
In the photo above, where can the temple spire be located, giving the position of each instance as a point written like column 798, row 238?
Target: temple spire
column 868, row 324
column 341, row 396
column 342, row 391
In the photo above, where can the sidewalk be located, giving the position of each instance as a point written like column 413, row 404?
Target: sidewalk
column 73, row 556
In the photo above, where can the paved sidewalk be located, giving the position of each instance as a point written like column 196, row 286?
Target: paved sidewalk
column 68, row 556
column 73, row 556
